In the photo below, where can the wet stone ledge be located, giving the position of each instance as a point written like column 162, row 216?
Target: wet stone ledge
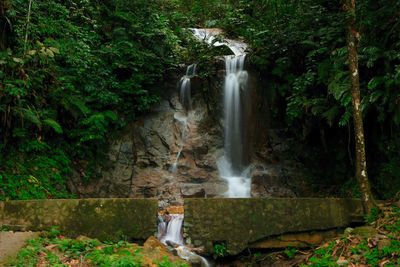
column 105, row 219
column 239, row 223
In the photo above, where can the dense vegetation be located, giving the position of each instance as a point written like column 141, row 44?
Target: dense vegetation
column 300, row 47
column 74, row 71
column 71, row 72
column 53, row 249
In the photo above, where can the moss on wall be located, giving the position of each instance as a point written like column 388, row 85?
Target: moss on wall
column 239, row 222
column 105, row 219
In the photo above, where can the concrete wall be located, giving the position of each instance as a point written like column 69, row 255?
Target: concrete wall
column 105, row 219
column 240, row 222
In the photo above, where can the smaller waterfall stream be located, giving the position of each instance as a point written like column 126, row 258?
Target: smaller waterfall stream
column 183, row 120
column 186, row 102
column 185, row 87
column 173, row 230
column 171, row 234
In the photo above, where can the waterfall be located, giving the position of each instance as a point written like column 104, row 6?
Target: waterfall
column 185, row 87
column 186, row 102
column 172, row 234
column 232, row 166
column 173, row 230
column 182, row 119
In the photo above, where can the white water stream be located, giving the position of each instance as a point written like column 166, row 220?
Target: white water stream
column 171, row 234
column 231, row 166
column 209, row 36
column 186, row 102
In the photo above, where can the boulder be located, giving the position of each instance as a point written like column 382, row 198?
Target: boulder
column 153, row 243
column 365, row 231
column 193, row 191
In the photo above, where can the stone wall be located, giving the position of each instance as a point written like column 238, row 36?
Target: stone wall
column 105, row 219
column 240, row 222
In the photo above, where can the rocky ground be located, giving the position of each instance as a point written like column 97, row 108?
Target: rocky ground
column 375, row 244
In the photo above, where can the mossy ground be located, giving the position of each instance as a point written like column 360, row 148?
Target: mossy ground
column 52, row 249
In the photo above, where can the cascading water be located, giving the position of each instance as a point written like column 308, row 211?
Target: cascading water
column 209, row 36
column 171, row 234
column 183, row 120
column 231, row 166
column 173, row 230
column 185, row 100
column 185, row 87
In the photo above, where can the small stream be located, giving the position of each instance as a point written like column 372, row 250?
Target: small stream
column 170, row 233
column 186, row 101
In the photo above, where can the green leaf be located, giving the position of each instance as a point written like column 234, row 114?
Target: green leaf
column 374, row 82
column 18, row 60
column 55, row 50
column 29, row 115
column 49, row 53
column 53, row 124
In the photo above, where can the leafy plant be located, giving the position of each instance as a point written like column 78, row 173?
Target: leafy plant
column 219, row 250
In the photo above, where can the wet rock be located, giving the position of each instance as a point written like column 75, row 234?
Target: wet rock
column 172, row 244
column 193, row 191
column 269, row 184
column 194, row 259
column 153, row 243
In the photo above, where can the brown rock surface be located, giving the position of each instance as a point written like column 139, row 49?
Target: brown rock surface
column 176, row 210
column 154, row 243
column 300, row 240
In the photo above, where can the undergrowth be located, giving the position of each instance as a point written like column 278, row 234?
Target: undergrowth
column 53, row 249
column 381, row 247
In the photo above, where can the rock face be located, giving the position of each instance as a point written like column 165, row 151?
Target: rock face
column 143, row 159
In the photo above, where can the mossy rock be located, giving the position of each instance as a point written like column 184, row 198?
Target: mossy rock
column 365, row 231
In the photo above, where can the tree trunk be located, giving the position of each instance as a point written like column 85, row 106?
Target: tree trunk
column 5, row 25
column 352, row 39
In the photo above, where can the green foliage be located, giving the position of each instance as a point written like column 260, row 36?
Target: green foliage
column 166, row 263
column 84, row 70
column 372, row 216
column 219, row 250
column 299, row 48
column 367, row 249
column 91, row 251
column 290, row 251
